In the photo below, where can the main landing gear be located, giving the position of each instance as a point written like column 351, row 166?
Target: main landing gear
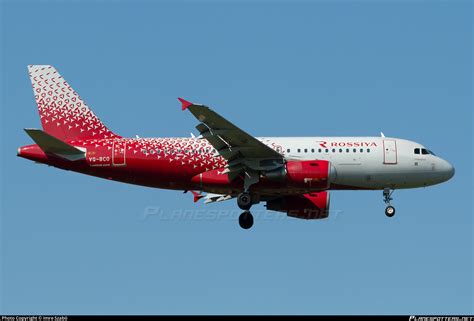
column 387, row 197
column 244, row 201
column 246, row 220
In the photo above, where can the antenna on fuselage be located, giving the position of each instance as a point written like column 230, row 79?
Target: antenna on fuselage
column 381, row 134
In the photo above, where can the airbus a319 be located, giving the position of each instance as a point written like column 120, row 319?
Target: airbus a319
column 293, row 175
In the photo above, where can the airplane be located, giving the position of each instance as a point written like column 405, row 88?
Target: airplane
column 290, row 174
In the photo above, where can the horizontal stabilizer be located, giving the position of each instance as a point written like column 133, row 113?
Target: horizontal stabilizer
column 212, row 198
column 51, row 145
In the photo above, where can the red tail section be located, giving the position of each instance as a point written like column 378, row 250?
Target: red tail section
column 63, row 113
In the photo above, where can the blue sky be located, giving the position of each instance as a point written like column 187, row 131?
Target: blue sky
column 77, row 244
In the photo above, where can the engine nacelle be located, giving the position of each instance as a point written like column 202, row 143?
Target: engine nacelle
column 316, row 174
column 307, row 206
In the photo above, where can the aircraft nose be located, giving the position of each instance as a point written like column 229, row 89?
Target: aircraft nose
column 448, row 170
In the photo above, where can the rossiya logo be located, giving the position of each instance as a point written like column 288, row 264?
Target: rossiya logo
column 325, row 144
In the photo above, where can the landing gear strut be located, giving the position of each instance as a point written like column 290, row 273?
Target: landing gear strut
column 244, row 200
column 387, row 197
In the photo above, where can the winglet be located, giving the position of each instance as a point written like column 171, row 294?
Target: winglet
column 184, row 103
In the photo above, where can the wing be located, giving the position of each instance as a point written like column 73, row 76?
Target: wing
column 241, row 150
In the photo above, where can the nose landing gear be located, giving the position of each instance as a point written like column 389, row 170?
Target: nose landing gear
column 390, row 211
column 387, row 197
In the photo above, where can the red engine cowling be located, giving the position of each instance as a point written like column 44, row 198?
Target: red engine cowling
column 307, row 206
column 312, row 174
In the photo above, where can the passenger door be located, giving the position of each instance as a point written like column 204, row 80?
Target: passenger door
column 389, row 151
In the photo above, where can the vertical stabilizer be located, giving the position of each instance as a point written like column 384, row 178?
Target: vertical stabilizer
column 63, row 113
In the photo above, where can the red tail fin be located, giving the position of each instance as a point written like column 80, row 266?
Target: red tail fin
column 63, row 113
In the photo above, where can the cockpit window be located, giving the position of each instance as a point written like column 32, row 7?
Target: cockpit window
column 417, row 151
column 427, row 151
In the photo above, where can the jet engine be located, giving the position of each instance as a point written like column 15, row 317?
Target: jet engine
column 317, row 174
column 307, row 206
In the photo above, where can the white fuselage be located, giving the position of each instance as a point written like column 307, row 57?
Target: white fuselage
column 369, row 162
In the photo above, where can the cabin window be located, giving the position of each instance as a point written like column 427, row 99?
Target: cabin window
column 327, row 150
column 417, row 151
column 347, row 150
column 312, row 150
column 299, row 150
column 368, row 150
column 288, row 150
column 340, row 150
column 319, row 150
column 361, row 150
column 305, row 150
column 354, row 150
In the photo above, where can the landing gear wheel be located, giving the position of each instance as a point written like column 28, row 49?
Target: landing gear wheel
column 387, row 197
column 244, row 201
column 390, row 211
column 246, row 220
